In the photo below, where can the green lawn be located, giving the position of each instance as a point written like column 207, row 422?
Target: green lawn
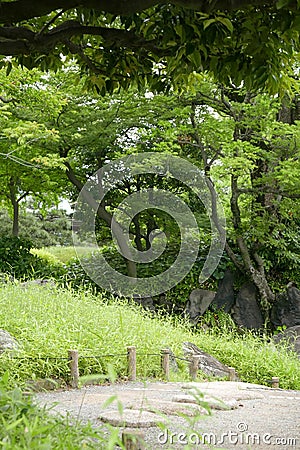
column 64, row 254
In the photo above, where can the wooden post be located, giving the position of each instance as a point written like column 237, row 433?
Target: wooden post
column 275, row 382
column 165, row 362
column 73, row 358
column 232, row 374
column 194, row 366
column 133, row 440
column 131, row 357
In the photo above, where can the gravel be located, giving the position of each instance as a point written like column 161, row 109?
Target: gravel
column 260, row 418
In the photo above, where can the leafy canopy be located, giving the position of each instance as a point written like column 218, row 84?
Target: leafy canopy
column 155, row 42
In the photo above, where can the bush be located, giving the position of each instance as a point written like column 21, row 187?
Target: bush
column 18, row 260
column 54, row 229
column 15, row 257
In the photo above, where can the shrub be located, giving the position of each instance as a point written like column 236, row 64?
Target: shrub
column 18, row 260
column 15, row 257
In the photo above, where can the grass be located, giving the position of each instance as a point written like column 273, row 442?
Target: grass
column 65, row 254
column 47, row 322
column 25, row 426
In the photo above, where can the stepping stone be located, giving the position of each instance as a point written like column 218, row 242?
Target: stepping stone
column 212, row 403
column 131, row 418
column 172, row 408
column 226, row 390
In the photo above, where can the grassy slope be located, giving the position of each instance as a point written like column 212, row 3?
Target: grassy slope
column 47, row 322
column 64, row 254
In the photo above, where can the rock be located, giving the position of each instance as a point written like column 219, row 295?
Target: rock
column 224, row 298
column 246, row 312
column 290, row 336
column 38, row 282
column 145, row 302
column 46, row 384
column 7, row 342
column 131, row 418
column 210, row 402
column 198, row 302
column 172, row 408
column 286, row 310
column 6, row 278
column 207, row 363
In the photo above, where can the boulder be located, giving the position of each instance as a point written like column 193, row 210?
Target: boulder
column 246, row 312
column 286, row 310
column 198, row 302
column 7, row 342
column 224, row 298
column 207, row 363
column 291, row 337
column 145, row 302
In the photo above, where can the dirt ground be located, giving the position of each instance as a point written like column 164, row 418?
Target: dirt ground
column 243, row 416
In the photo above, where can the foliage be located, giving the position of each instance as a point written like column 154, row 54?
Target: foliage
column 231, row 133
column 153, row 43
column 27, row 168
column 15, row 257
column 17, row 260
column 24, row 425
column 53, row 228
column 47, row 323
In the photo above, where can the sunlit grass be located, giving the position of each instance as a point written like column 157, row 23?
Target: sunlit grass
column 65, row 254
column 47, row 322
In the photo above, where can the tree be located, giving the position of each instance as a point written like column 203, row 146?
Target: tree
column 155, row 42
column 39, row 229
column 252, row 156
column 26, row 168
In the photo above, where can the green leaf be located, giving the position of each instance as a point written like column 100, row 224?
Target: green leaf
column 281, row 4
column 226, row 22
column 208, row 22
column 8, row 69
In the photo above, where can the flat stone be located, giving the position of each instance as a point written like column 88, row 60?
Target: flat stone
column 212, row 403
column 227, row 390
column 171, row 408
column 131, row 418
column 207, row 363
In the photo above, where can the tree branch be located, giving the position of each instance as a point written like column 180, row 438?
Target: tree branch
column 20, row 40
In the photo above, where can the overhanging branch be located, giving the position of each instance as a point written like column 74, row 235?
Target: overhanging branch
column 20, row 40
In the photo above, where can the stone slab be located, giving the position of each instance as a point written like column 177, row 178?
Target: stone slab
column 131, row 418
column 171, row 408
column 212, row 403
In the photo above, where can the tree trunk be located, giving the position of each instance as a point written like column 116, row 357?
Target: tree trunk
column 15, row 205
column 107, row 217
column 15, row 228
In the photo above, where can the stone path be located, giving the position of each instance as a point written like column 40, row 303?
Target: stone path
column 232, row 415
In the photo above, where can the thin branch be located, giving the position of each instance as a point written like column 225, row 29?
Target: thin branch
column 47, row 24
